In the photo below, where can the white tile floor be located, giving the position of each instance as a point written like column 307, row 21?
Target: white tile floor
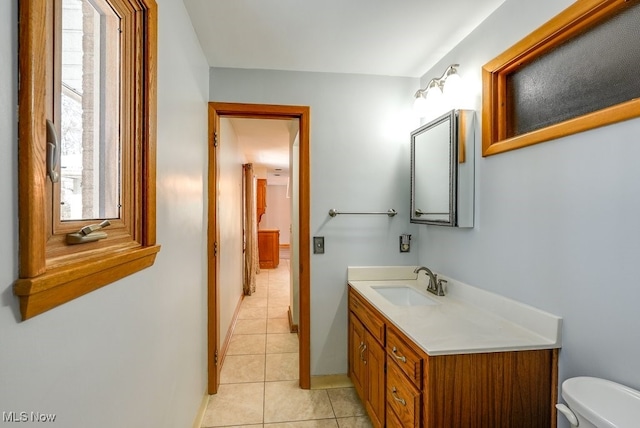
column 259, row 377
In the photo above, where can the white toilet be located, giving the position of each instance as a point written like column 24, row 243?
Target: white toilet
column 600, row 403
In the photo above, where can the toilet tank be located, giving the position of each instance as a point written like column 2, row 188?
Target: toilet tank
column 603, row 403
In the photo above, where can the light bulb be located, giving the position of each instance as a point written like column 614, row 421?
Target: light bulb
column 434, row 98
column 420, row 106
column 453, row 90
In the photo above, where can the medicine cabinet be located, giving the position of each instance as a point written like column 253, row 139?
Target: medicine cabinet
column 442, row 170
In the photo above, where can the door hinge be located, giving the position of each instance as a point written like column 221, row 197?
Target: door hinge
column 215, row 139
column 215, row 358
column 215, row 248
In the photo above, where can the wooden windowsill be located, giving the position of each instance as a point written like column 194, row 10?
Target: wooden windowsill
column 69, row 281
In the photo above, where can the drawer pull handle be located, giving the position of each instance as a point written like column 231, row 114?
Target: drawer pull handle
column 363, row 348
column 395, row 396
column 398, row 357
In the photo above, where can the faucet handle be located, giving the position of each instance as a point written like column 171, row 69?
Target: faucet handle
column 440, row 287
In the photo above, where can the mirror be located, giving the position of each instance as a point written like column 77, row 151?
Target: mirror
column 442, row 171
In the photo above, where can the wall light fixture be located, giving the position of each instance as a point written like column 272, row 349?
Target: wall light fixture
column 439, row 90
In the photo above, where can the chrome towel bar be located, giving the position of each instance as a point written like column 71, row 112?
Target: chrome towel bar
column 334, row 212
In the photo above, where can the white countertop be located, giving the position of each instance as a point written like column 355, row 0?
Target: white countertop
column 466, row 320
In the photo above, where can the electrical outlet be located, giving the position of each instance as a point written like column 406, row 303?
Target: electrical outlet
column 405, row 243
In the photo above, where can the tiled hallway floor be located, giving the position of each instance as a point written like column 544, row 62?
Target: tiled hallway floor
column 258, row 381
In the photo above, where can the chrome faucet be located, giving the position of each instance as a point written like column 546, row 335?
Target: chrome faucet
column 435, row 285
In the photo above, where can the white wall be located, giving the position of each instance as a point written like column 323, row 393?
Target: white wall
column 359, row 162
column 278, row 214
column 132, row 354
column 294, row 268
column 230, row 277
column 556, row 224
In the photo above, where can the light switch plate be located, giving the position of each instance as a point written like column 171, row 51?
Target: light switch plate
column 318, row 245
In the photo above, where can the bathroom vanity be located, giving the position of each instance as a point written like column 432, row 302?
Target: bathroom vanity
column 447, row 362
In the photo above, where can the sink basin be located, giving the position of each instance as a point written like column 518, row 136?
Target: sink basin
column 403, row 295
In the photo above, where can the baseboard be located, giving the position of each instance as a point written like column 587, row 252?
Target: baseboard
column 197, row 422
column 227, row 339
column 293, row 328
column 331, row 381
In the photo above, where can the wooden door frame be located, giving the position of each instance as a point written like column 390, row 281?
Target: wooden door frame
column 260, row 111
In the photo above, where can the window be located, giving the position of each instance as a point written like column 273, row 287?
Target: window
column 86, row 146
column 576, row 72
column 89, row 120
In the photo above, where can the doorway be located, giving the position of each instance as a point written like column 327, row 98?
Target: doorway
column 259, row 111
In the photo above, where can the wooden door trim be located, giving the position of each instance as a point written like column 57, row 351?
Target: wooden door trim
column 213, row 311
column 262, row 111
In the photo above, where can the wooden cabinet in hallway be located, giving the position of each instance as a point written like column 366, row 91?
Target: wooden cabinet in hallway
column 269, row 248
column 261, row 198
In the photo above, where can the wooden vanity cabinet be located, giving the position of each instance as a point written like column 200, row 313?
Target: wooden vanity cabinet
column 497, row 389
column 367, row 358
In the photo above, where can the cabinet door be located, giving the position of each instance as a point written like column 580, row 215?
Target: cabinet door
column 375, row 387
column 261, row 198
column 269, row 248
column 356, row 355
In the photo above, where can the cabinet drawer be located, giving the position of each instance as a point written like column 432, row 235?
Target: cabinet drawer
column 367, row 316
column 402, row 396
column 392, row 419
column 407, row 359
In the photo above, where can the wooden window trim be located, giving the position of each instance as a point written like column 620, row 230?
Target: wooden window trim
column 578, row 17
column 49, row 278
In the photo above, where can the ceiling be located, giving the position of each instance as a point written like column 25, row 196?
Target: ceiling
column 380, row 37
column 265, row 143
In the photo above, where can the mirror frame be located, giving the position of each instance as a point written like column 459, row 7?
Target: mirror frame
column 461, row 169
column 453, row 152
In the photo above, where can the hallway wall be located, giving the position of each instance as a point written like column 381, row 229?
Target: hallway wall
column 133, row 353
column 231, row 275
column 278, row 214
